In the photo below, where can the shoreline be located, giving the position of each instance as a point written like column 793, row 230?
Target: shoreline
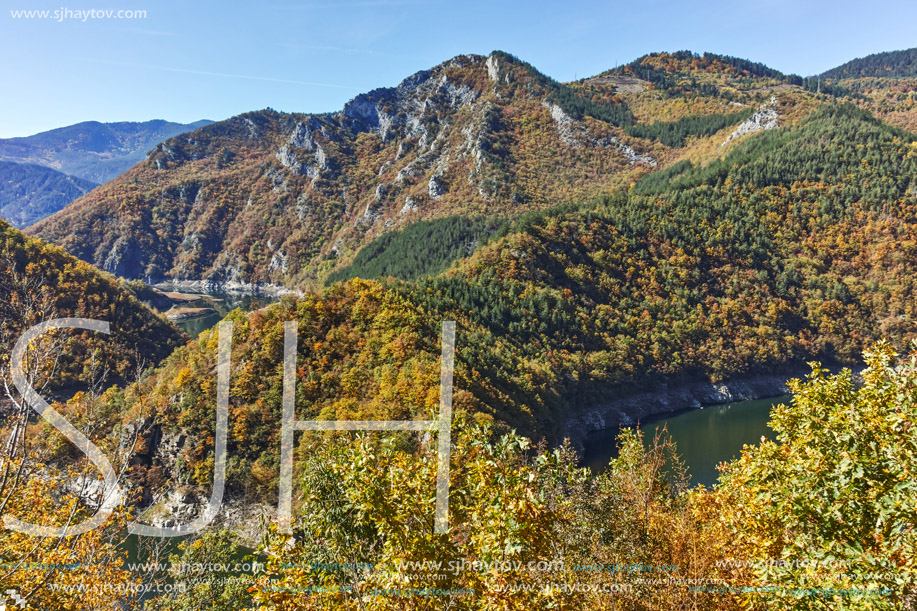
column 183, row 314
column 665, row 400
column 209, row 288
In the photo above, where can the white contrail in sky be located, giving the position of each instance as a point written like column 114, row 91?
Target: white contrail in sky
column 249, row 77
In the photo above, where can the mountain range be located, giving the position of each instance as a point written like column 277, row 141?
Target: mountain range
column 680, row 220
column 57, row 166
column 287, row 199
column 269, row 198
column 680, row 217
column 30, row 192
column 685, row 216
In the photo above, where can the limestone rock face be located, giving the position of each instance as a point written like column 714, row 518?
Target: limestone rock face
column 576, row 134
column 403, row 111
column 766, row 117
column 472, row 135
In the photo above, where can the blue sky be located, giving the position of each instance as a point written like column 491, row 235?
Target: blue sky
column 199, row 59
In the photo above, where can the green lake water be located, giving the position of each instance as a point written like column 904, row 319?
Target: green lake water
column 704, row 437
column 223, row 304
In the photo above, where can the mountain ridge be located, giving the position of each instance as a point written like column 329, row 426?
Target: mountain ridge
column 888, row 64
column 30, row 192
column 287, row 198
column 92, row 150
column 40, row 281
column 74, row 159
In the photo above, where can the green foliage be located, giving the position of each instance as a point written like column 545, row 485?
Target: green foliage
column 674, row 133
column 798, row 245
column 681, row 73
column 576, row 104
column 736, row 266
column 575, row 101
column 198, row 584
column 836, row 489
column 818, row 85
column 367, row 509
column 833, row 144
column 365, row 528
column 424, row 248
column 889, row 64
column 39, row 281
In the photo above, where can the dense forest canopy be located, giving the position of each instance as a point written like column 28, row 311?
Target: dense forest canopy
column 888, row 64
column 39, row 281
column 796, row 245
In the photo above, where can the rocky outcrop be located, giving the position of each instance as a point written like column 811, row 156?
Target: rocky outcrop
column 278, row 262
column 403, row 110
column 629, row 153
column 288, row 160
column 573, row 133
column 435, row 187
column 570, row 133
column 493, row 68
column 409, row 206
column 123, row 259
column 766, row 117
column 443, row 140
column 303, row 154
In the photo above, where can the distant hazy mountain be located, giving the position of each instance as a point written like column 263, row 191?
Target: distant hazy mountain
column 93, row 151
column 896, row 64
column 41, row 174
column 30, row 192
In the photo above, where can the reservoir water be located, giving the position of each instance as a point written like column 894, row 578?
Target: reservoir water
column 703, row 437
column 221, row 305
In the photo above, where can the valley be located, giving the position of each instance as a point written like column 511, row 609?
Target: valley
column 683, row 231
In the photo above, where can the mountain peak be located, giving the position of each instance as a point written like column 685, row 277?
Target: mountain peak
column 689, row 62
column 269, row 197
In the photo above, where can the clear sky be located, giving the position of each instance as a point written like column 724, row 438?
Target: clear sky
column 192, row 59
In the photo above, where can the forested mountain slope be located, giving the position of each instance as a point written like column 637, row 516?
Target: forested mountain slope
column 30, row 192
column 40, row 282
column 888, row 64
column 285, row 199
column 799, row 244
